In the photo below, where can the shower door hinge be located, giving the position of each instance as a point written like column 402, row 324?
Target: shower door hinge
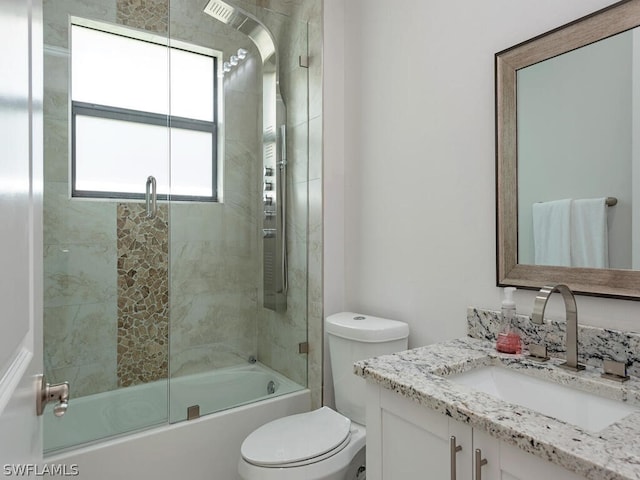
column 303, row 347
column 303, row 60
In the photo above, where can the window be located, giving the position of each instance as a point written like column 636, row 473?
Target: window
column 133, row 116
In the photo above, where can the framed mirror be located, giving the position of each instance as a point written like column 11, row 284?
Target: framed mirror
column 568, row 135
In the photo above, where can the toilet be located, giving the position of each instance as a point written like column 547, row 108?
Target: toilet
column 326, row 444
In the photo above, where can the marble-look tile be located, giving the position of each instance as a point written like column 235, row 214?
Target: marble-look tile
column 86, row 379
column 298, row 153
column 316, row 348
column 77, row 335
column 56, row 17
column 421, row 375
column 76, row 221
column 195, row 222
column 315, row 148
column 249, row 6
column 294, row 84
column 56, row 72
column 204, row 358
column 56, row 105
column 204, row 267
column 315, row 69
column 56, row 150
column 315, row 311
column 298, row 216
column 287, row 363
column 79, row 274
column 241, row 190
column 214, row 318
column 241, row 115
column 280, row 334
column 314, row 242
column 288, row 7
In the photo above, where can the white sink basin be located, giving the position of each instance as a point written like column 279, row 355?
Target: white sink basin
column 582, row 409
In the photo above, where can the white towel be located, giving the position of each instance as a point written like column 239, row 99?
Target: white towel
column 589, row 234
column 552, row 233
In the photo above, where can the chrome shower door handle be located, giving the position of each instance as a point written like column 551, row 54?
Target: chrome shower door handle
column 151, row 197
column 48, row 393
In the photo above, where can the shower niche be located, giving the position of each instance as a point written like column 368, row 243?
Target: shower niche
column 205, row 304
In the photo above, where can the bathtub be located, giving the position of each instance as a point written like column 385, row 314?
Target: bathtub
column 204, row 448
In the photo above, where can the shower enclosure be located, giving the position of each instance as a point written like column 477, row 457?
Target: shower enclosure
column 175, row 212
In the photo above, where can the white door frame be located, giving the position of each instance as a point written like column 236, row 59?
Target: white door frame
column 21, row 264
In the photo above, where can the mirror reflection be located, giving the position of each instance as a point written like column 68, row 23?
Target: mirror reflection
column 578, row 144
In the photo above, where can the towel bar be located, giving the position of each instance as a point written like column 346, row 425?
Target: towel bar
column 610, row 201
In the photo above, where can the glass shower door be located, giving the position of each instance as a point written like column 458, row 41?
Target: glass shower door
column 128, row 278
column 105, row 257
column 227, row 349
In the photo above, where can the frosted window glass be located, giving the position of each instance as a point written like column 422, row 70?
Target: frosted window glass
column 117, row 156
column 112, row 70
column 191, row 85
column 191, row 162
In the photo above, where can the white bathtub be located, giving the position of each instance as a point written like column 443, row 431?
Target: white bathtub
column 206, row 448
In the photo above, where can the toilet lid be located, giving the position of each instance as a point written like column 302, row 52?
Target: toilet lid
column 296, row 438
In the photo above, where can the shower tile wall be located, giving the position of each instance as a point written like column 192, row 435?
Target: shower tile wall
column 279, row 335
column 97, row 333
column 273, row 337
column 215, row 250
column 143, row 250
column 312, row 11
column 80, row 294
column 214, row 254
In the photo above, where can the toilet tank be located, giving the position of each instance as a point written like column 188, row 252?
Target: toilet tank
column 353, row 337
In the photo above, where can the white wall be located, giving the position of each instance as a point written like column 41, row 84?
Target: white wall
column 416, row 118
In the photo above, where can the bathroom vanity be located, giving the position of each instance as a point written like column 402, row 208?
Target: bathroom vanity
column 430, row 416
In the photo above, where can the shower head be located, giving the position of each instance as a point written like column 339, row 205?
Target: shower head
column 220, row 10
column 244, row 23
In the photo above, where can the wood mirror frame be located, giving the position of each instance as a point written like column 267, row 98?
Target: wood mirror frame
column 602, row 24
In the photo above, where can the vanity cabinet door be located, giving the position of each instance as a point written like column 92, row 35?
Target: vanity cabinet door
column 508, row 462
column 407, row 440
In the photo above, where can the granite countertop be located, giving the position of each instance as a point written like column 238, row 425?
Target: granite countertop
column 420, row 375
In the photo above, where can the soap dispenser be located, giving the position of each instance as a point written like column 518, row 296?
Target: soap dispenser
column 508, row 340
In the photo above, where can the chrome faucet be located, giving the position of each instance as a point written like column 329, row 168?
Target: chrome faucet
column 572, row 321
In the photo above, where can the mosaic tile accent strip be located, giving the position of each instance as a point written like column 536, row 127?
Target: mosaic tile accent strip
column 594, row 344
column 151, row 15
column 143, row 295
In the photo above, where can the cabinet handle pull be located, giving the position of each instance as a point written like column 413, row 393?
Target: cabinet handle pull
column 453, row 450
column 480, row 462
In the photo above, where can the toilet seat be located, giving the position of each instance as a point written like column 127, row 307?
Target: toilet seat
column 297, row 440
